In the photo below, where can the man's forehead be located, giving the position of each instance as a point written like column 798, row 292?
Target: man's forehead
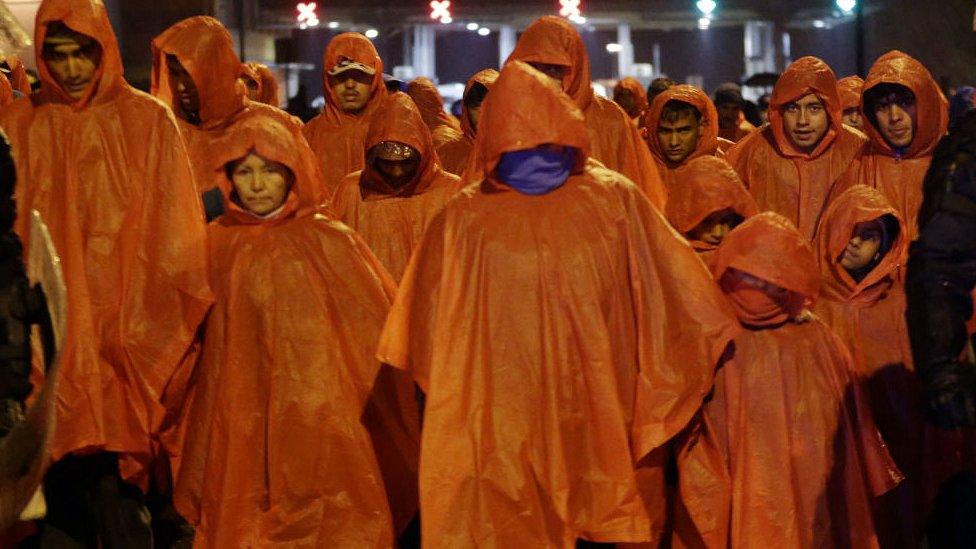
column 808, row 99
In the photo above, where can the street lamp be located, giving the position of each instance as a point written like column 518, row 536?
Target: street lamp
column 846, row 6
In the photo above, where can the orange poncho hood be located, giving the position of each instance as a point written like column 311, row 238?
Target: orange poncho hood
column 271, row 140
column 850, row 91
column 896, row 67
column 91, row 19
column 398, row 119
column 354, row 47
column 768, row 247
column 267, row 83
column 205, row 49
column 509, row 123
column 857, row 205
column 707, row 140
column 708, row 185
column 485, row 78
column 805, row 76
column 635, row 88
column 553, row 40
column 18, row 75
column 424, row 93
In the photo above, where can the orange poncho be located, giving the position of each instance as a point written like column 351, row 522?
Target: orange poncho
column 637, row 90
column 18, row 74
column 708, row 185
column 424, row 93
column 6, row 91
column 267, row 84
column 786, row 453
column 870, row 317
column 337, row 137
column 391, row 222
column 109, row 174
column 850, row 92
column 708, row 142
column 275, row 453
column 792, row 183
column 454, row 147
column 899, row 176
column 551, row 342
column 614, row 138
column 205, row 49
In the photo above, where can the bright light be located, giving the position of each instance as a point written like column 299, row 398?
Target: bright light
column 372, row 33
column 306, row 15
column 472, row 26
column 333, row 24
column 847, row 6
column 570, row 8
column 578, row 19
column 706, row 6
column 440, row 9
column 484, row 31
column 447, row 19
column 613, row 47
column 704, row 23
column 819, row 24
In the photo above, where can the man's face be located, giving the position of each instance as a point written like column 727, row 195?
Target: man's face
column 72, row 60
column 728, row 115
column 352, row 87
column 678, row 138
column 627, row 102
column 897, row 116
column 863, row 246
column 474, row 116
column 852, row 117
column 805, row 122
column 397, row 173
column 712, row 229
column 183, row 88
column 556, row 73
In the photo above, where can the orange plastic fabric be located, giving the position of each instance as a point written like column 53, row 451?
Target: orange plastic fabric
column 18, row 74
column 391, row 222
column 870, row 317
column 636, row 89
column 899, row 176
column 850, row 92
column 454, row 147
column 424, row 93
column 708, row 185
column 206, row 50
column 785, row 453
column 6, row 91
column 337, row 137
column 275, row 453
column 614, row 139
column 267, row 85
column 109, row 174
column 792, row 183
column 739, row 132
column 533, row 441
column 708, row 142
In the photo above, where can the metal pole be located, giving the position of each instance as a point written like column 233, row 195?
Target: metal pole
column 241, row 32
column 859, row 34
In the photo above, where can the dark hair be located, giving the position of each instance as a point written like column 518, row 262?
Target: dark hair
column 674, row 109
column 658, row 86
column 880, row 96
column 475, row 95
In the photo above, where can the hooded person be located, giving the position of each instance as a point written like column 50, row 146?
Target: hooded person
column 630, row 94
column 454, row 147
column 787, row 437
column 424, row 93
column 732, row 123
column 553, row 45
column 262, row 86
column 275, row 452
column 352, row 81
column 681, row 125
column 106, row 168
column 861, row 247
column 710, row 202
column 390, row 203
column 797, row 163
column 905, row 117
column 534, row 442
column 850, row 88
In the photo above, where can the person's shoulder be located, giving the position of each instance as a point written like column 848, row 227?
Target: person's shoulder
column 270, row 111
column 132, row 97
column 608, row 111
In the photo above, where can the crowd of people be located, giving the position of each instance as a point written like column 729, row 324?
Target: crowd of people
column 555, row 320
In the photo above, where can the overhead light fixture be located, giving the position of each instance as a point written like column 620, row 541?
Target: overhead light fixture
column 484, row 31
column 614, row 47
column 706, row 6
column 704, row 23
column 819, row 24
column 847, row 6
column 578, row 19
column 472, row 26
column 333, row 24
column 372, row 33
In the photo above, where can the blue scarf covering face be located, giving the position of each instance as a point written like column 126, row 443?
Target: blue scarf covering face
column 536, row 171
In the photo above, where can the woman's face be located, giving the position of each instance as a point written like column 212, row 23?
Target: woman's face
column 262, row 185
